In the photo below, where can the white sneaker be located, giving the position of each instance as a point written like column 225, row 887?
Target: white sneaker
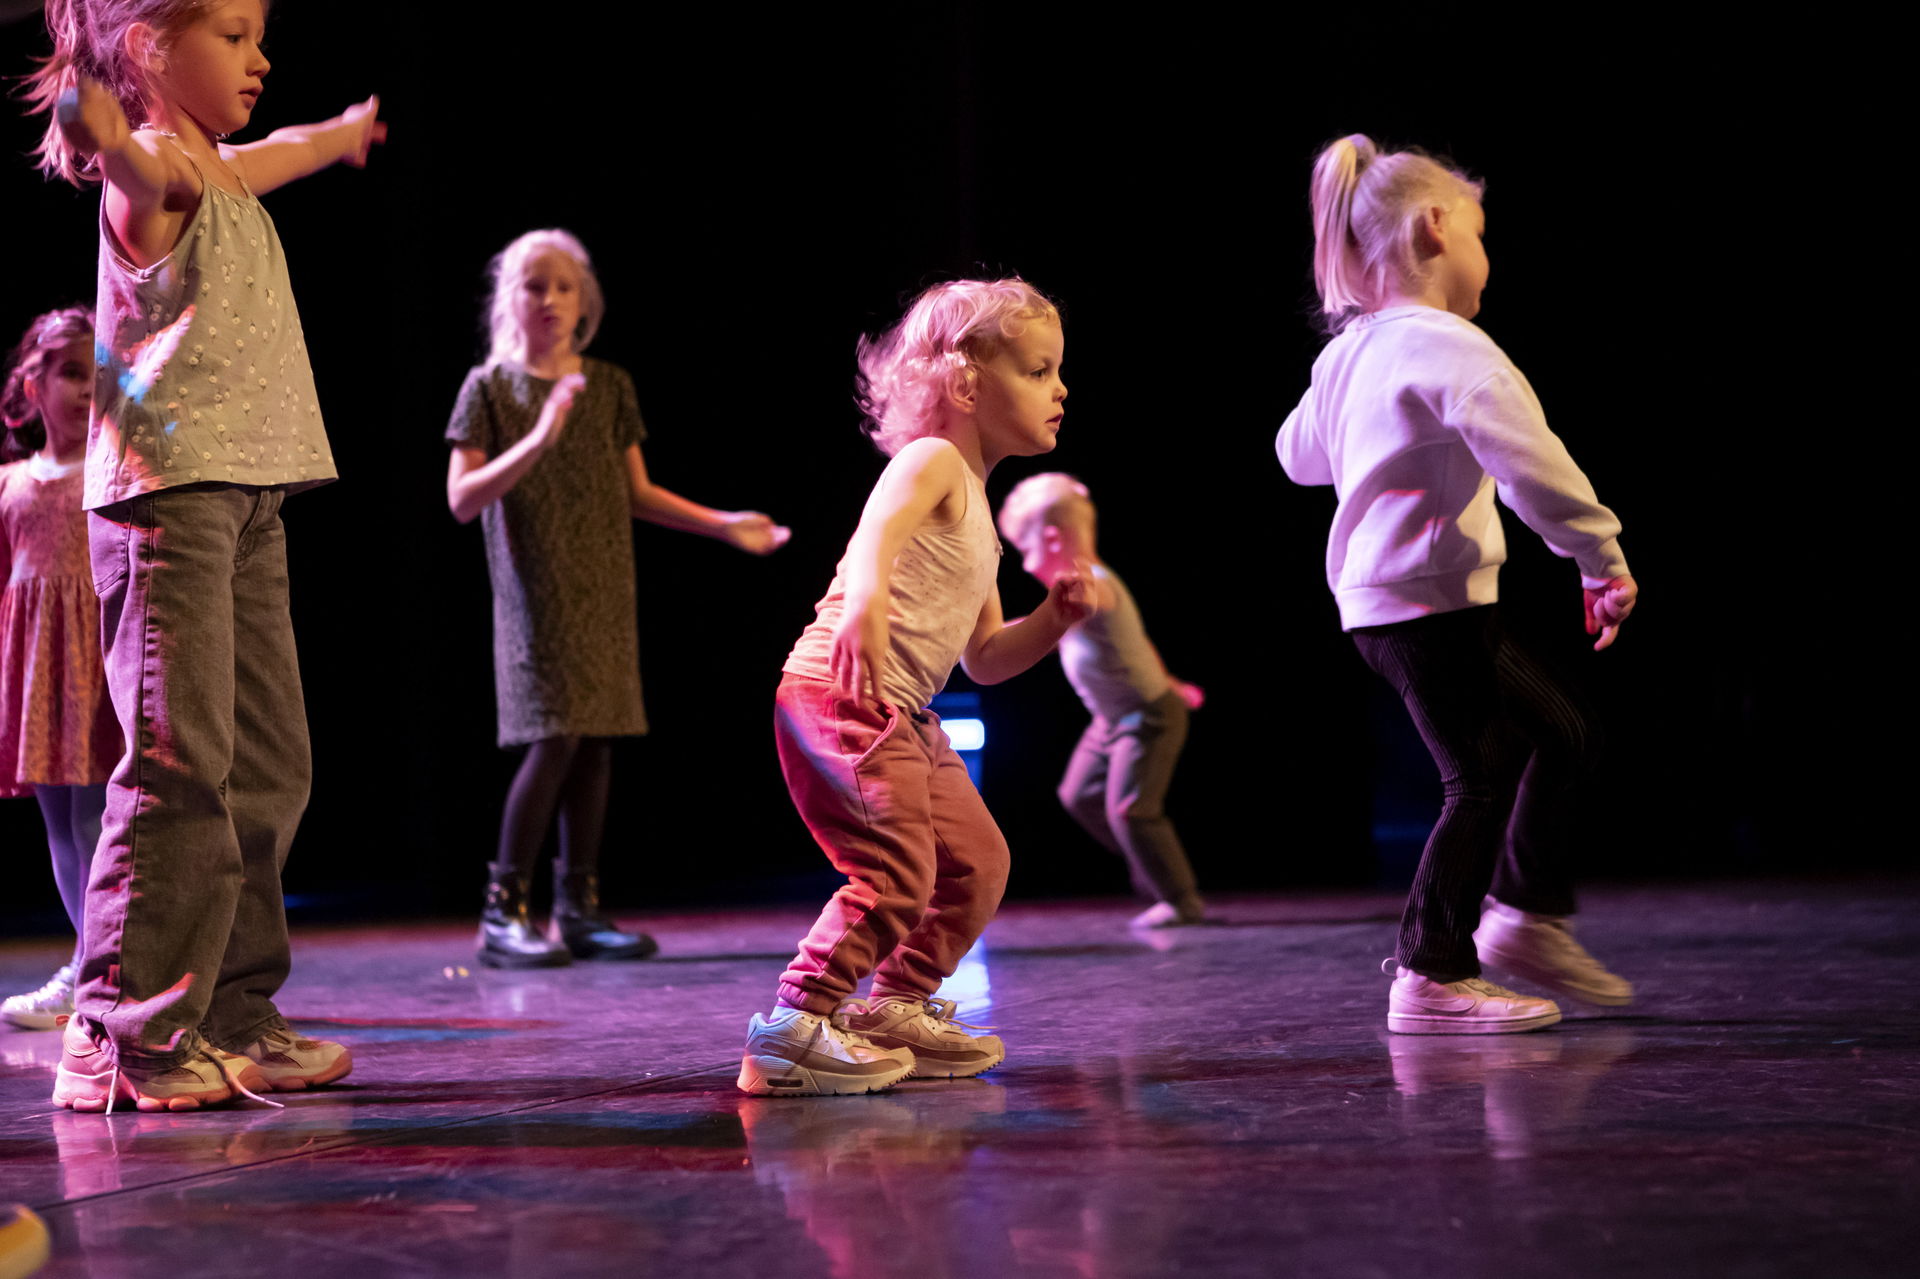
column 1418, row 1005
column 1541, row 949
column 799, row 1054
column 42, row 1009
column 941, row 1046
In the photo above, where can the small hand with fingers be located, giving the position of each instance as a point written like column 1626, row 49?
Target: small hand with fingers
column 372, row 129
column 553, row 414
column 1606, row 609
column 756, row 533
column 90, row 118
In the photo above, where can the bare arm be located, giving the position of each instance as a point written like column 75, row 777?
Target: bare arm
column 474, row 482
column 749, row 530
column 923, row 481
column 300, row 149
column 151, row 188
column 999, row 649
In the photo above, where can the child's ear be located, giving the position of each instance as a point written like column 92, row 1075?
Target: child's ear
column 963, row 390
column 143, row 48
column 1430, row 232
column 1052, row 539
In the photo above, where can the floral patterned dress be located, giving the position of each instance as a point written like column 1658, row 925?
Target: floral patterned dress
column 57, row 727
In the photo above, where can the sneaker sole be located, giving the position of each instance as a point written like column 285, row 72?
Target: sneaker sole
column 928, row 1064
column 1547, row 979
column 1442, row 1024
column 933, row 1068
column 35, row 1021
column 767, row 1076
column 91, row 1097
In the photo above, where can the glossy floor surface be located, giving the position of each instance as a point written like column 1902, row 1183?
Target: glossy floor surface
column 1221, row 1101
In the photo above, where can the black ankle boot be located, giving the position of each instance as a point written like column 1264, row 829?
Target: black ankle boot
column 579, row 926
column 507, row 936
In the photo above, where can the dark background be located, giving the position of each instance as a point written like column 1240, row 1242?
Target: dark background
column 757, row 192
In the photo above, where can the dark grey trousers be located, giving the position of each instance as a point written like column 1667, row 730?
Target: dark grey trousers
column 1511, row 744
column 1116, row 787
column 186, row 933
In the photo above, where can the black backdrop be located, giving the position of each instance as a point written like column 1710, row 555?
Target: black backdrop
column 758, row 191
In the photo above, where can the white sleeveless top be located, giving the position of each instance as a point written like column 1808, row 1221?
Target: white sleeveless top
column 940, row 581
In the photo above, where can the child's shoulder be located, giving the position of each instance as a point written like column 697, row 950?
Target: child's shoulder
column 1422, row 343
column 929, row 453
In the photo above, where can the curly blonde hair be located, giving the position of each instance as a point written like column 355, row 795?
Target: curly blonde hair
column 936, row 349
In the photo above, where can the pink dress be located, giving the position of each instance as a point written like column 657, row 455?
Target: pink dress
column 57, row 727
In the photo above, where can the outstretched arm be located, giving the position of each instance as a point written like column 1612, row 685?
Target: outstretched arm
column 751, row 531
column 300, row 149
column 474, row 483
column 999, row 649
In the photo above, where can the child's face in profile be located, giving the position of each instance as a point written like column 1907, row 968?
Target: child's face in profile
column 1020, row 395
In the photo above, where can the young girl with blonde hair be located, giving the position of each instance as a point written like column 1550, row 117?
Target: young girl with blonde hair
column 969, row 377
column 204, row 420
column 58, row 738
column 1418, row 420
column 546, row 451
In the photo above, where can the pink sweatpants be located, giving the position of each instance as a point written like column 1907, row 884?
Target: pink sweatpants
column 892, row 807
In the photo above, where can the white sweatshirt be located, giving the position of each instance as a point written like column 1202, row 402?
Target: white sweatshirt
column 1417, row 419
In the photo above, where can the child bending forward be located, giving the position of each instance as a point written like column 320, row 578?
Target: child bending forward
column 1116, row 783
column 971, row 375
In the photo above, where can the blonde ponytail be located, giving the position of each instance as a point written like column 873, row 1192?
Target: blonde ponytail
column 1367, row 206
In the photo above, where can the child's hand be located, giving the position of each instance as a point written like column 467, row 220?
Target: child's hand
column 859, row 652
column 91, row 119
column 553, row 414
column 1073, row 595
column 755, row 533
column 1608, row 608
column 1192, row 694
column 365, row 128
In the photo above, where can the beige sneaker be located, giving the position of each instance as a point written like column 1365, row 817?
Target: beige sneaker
column 289, row 1061
column 941, row 1048
column 91, row 1078
column 798, row 1054
column 1418, row 1005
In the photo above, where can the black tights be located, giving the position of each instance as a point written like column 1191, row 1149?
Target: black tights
column 570, row 775
column 1511, row 744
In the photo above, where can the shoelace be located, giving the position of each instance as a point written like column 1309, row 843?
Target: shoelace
column 941, row 1010
column 226, row 1072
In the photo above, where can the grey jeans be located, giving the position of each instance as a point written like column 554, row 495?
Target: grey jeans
column 1116, row 788
column 186, row 933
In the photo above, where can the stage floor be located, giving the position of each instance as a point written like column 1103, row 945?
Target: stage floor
column 1222, row 1101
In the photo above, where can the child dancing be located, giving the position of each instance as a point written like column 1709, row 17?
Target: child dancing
column 1417, row 419
column 1116, row 783
column 546, row 450
column 58, row 737
column 970, row 375
column 204, row 420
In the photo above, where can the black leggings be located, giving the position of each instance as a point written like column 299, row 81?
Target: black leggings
column 568, row 774
column 1511, row 745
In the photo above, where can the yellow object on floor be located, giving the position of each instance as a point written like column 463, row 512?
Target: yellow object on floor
column 23, row 1242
